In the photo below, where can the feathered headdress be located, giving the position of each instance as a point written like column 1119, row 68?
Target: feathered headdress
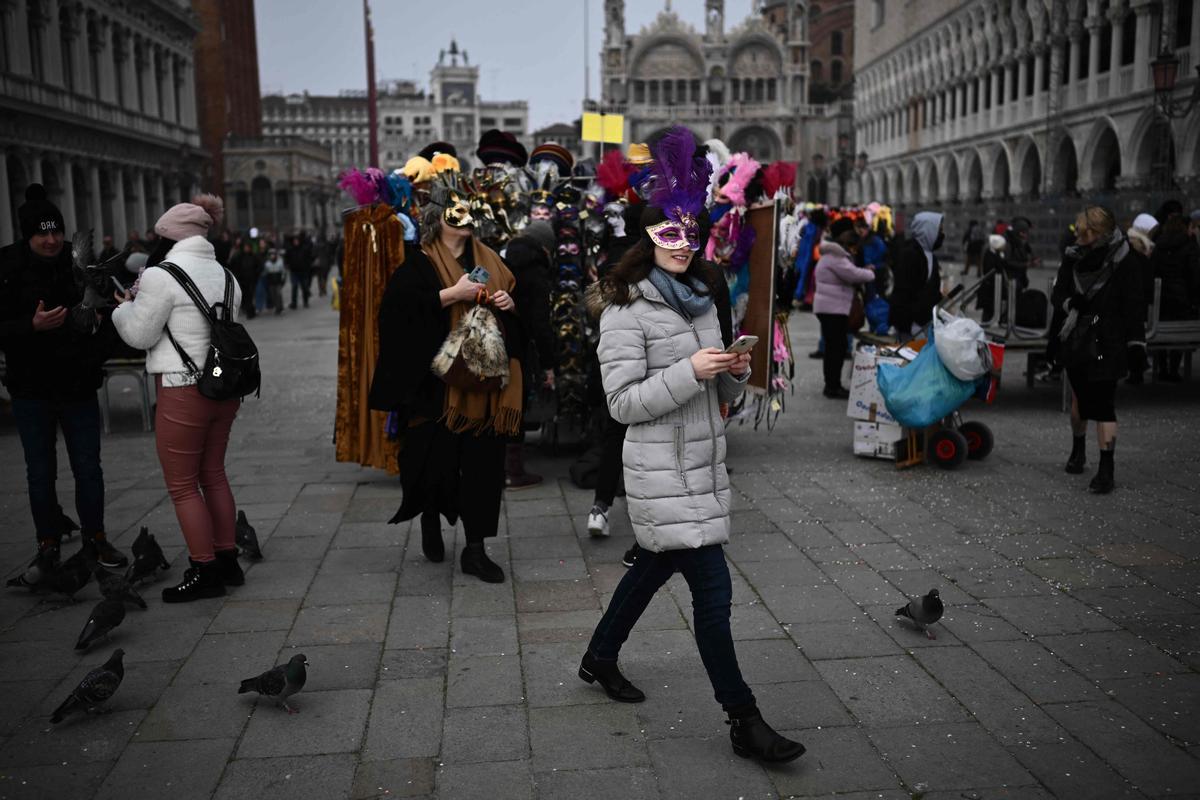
column 613, row 174
column 360, row 186
column 679, row 176
column 399, row 191
column 779, row 176
column 741, row 169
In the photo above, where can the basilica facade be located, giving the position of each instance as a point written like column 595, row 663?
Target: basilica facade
column 747, row 84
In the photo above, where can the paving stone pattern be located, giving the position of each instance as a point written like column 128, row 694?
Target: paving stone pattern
column 1066, row 665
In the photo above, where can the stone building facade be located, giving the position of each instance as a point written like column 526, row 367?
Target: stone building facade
column 280, row 184
column 748, row 85
column 991, row 108
column 98, row 102
column 408, row 117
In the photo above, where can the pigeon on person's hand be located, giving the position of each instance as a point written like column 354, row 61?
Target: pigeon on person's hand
column 96, row 688
column 923, row 611
column 106, row 615
column 247, row 538
column 148, row 558
column 279, row 683
column 116, row 587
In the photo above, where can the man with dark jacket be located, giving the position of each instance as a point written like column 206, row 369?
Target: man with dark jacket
column 298, row 257
column 917, row 278
column 528, row 256
column 53, row 372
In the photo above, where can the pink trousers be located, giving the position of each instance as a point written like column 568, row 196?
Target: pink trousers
column 191, row 435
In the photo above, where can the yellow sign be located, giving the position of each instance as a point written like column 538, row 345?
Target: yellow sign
column 607, row 128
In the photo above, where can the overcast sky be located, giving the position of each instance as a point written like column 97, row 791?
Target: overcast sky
column 526, row 49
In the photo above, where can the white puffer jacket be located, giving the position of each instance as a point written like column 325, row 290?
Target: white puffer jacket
column 676, row 485
column 161, row 303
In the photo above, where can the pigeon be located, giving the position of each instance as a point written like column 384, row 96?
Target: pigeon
column 279, row 683
column 96, row 688
column 68, row 526
column 116, row 587
column 148, row 558
column 923, row 611
column 38, row 571
column 247, row 537
column 74, row 573
column 106, row 615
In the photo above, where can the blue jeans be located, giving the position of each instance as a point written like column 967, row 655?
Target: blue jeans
column 38, row 421
column 707, row 576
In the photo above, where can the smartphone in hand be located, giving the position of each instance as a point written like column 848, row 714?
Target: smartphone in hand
column 743, row 344
column 120, row 287
column 479, row 275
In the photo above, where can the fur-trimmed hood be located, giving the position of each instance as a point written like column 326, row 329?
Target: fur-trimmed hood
column 602, row 294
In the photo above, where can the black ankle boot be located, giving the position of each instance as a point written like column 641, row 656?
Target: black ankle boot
column 475, row 562
column 752, row 737
column 432, row 544
column 1103, row 482
column 614, row 684
column 1078, row 455
column 201, row 580
column 229, row 568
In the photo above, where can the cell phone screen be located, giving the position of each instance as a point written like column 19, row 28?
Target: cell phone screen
column 117, row 283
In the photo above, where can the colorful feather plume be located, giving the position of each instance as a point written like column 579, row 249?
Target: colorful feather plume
column 679, row 175
column 741, row 169
column 359, row 186
column 779, row 175
column 399, row 191
column 613, row 174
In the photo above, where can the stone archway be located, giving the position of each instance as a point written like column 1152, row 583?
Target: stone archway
column 262, row 205
column 950, row 191
column 1064, row 169
column 1001, row 172
column 974, row 170
column 912, row 183
column 1154, row 160
column 1030, row 184
column 931, row 193
column 1106, row 161
column 761, row 143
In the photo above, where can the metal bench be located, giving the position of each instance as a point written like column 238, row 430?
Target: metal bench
column 1176, row 334
column 136, row 369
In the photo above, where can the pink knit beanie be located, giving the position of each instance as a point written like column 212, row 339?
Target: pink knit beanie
column 190, row 219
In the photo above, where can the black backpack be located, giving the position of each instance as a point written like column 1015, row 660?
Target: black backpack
column 231, row 368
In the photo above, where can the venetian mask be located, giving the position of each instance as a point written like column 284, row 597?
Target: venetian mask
column 676, row 234
column 457, row 213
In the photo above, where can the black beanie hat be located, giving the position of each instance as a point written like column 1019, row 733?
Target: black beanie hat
column 840, row 226
column 38, row 214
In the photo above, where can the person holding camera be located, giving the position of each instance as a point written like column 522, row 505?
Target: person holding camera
column 453, row 442
column 191, row 431
column 1099, row 322
column 53, row 372
column 665, row 375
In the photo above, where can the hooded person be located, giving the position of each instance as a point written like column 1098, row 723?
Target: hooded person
column 53, row 371
column 453, row 446
column 191, row 430
column 917, row 279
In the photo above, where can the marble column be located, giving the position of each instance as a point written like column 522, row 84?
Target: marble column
column 128, row 70
column 1116, row 18
column 16, row 38
column 120, row 227
column 139, row 201
column 296, row 224
column 1142, row 78
column 1075, row 34
column 1093, row 28
column 66, row 177
column 52, row 62
column 1022, row 75
column 108, row 72
column 149, row 78
column 187, row 95
column 1039, row 69
column 96, row 209
column 6, row 210
column 170, row 110
column 81, row 61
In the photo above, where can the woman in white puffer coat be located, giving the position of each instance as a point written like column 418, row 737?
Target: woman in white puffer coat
column 665, row 376
column 191, row 431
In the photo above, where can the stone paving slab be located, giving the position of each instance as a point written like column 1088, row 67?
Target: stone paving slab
column 1066, row 664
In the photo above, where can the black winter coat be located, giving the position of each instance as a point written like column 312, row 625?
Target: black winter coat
column 531, row 268
column 61, row 364
column 412, row 327
column 1176, row 261
column 915, row 290
column 1120, row 306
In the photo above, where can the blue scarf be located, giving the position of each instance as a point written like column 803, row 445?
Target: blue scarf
column 684, row 298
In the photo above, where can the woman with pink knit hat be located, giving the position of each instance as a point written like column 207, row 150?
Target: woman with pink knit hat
column 191, row 431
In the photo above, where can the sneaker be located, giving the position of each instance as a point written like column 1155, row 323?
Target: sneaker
column 630, row 556
column 597, row 522
column 106, row 554
column 43, row 564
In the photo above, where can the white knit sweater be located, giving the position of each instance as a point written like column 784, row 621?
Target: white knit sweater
column 161, row 303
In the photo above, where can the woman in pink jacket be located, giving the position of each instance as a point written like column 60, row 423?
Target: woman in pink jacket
column 836, row 276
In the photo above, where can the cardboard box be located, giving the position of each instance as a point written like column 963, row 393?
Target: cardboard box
column 866, row 403
column 877, row 440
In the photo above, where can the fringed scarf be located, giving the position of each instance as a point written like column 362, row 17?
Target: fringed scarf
column 479, row 412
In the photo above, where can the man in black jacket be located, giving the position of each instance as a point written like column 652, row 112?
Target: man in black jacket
column 917, row 280
column 53, row 372
column 528, row 256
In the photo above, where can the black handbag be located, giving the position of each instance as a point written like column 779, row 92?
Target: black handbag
column 231, row 368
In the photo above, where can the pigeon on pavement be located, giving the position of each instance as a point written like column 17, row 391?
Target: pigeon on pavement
column 279, row 683
column 95, row 689
column 923, row 611
column 247, row 538
column 116, row 587
column 148, row 558
column 74, row 573
column 106, row 615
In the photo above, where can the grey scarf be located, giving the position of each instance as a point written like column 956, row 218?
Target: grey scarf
column 1089, row 284
column 684, row 298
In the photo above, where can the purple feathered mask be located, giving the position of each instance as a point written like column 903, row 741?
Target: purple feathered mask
column 679, row 181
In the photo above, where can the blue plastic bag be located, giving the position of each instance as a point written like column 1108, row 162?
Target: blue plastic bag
column 923, row 391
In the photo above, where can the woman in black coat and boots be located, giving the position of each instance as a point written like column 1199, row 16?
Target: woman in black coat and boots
column 1099, row 316
column 452, row 454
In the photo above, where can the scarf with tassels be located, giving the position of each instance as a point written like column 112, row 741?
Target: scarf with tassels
column 479, row 412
